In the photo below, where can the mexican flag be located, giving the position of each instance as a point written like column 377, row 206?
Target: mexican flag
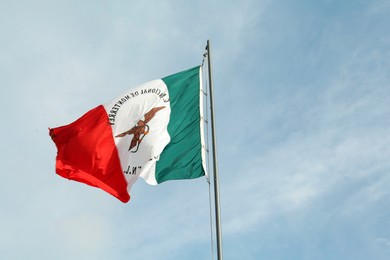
column 153, row 131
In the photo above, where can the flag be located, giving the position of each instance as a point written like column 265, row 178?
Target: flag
column 153, row 131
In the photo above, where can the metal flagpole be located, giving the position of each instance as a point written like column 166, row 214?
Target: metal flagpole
column 215, row 162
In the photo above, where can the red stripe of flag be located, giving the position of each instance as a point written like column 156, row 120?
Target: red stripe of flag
column 87, row 153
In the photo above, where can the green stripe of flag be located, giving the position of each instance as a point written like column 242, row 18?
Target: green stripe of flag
column 182, row 157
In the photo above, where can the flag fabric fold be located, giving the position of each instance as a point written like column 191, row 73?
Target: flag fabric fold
column 153, row 131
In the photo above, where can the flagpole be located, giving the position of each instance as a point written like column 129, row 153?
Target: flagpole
column 215, row 161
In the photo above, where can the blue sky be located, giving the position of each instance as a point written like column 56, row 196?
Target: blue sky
column 302, row 92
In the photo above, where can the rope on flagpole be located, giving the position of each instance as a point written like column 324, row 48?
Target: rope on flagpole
column 205, row 119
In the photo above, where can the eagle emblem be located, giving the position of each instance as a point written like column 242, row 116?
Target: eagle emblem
column 140, row 130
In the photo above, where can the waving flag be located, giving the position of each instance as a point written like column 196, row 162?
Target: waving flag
column 153, row 131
